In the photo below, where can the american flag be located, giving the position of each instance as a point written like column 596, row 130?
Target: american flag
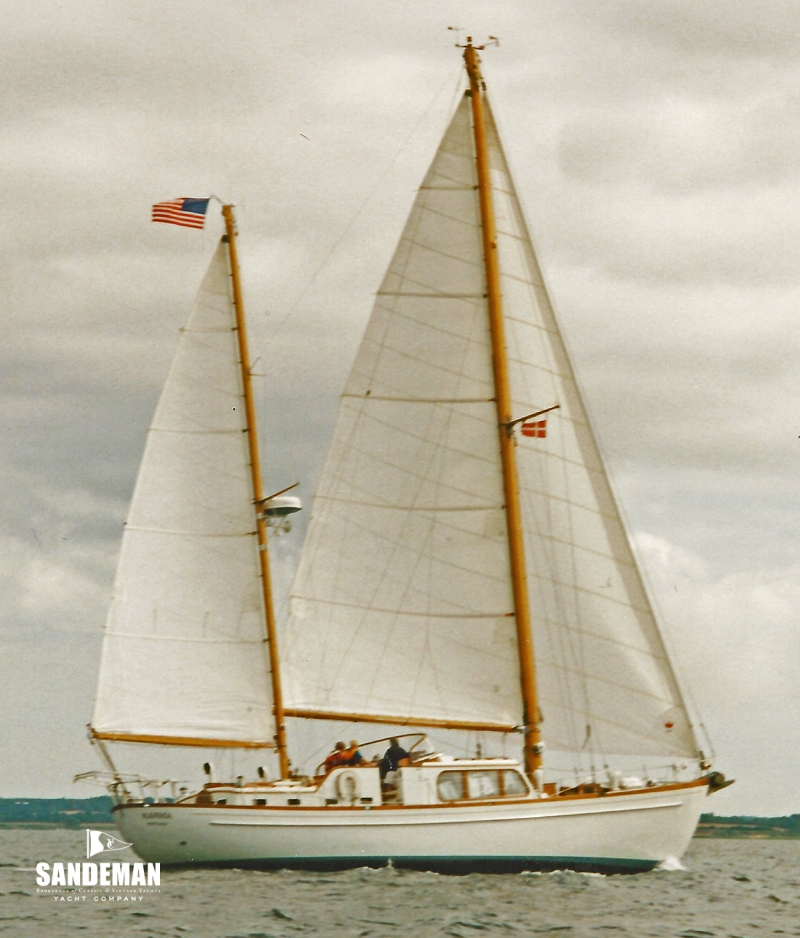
column 537, row 428
column 189, row 213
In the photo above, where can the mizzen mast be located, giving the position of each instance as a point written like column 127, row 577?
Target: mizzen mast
column 258, row 494
column 533, row 746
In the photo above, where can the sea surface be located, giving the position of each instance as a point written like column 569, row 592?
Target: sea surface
column 743, row 888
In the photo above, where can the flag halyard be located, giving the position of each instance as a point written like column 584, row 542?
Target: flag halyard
column 188, row 213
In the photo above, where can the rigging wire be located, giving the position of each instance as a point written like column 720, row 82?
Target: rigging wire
column 334, row 247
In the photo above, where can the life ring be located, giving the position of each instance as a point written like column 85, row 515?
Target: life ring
column 348, row 786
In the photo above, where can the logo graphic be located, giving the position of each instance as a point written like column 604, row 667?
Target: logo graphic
column 101, row 842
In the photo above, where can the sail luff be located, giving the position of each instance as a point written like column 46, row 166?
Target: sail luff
column 184, row 659
column 532, row 746
column 258, row 494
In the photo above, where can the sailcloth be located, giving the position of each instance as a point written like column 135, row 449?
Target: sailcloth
column 605, row 682
column 184, row 656
column 402, row 605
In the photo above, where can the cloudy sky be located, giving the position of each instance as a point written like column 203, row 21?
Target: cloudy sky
column 656, row 146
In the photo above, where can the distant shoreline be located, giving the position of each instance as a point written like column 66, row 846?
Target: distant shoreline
column 72, row 813
column 749, row 828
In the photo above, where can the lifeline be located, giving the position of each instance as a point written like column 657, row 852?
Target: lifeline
column 98, row 874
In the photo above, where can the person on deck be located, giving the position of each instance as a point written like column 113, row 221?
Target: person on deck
column 393, row 758
column 352, row 756
column 337, row 757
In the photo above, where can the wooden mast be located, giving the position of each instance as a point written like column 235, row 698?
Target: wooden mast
column 258, row 494
column 532, row 747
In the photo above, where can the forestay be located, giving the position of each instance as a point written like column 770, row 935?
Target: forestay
column 184, row 658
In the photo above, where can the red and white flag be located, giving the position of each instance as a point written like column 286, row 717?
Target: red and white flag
column 189, row 213
column 537, row 428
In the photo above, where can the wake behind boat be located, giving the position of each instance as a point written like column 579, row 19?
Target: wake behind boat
column 466, row 568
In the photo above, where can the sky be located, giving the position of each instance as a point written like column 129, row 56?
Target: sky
column 656, row 149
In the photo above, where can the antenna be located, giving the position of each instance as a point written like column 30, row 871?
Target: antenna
column 491, row 41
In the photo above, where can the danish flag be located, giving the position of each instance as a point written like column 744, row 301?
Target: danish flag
column 537, row 428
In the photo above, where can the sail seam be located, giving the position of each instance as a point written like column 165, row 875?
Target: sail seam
column 543, row 369
column 140, row 636
column 385, row 346
column 421, row 400
column 539, row 327
column 440, row 214
column 353, row 501
column 415, row 436
column 667, row 701
column 627, row 604
column 602, row 638
column 136, row 527
column 528, row 283
column 238, row 430
column 599, row 722
column 421, row 553
column 433, row 296
column 452, row 257
column 404, row 277
column 549, row 454
column 397, row 612
column 428, row 325
column 566, row 543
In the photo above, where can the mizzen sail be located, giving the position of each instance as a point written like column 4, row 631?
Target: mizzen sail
column 184, row 657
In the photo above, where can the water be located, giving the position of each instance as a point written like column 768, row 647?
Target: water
column 742, row 888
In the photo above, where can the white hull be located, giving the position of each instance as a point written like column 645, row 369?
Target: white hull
column 616, row 832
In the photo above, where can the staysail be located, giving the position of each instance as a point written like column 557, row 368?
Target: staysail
column 184, row 658
column 402, row 605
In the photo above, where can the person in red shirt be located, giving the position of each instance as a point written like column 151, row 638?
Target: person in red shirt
column 337, row 757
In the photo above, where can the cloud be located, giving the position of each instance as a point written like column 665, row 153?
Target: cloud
column 732, row 634
column 654, row 144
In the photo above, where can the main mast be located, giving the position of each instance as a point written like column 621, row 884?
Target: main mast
column 258, row 494
column 516, row 548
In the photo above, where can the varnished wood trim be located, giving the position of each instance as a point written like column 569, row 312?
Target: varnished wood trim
column 502, row 386
column 451, row 805
column 182, row 741
column 258, row 494
column 409, row 721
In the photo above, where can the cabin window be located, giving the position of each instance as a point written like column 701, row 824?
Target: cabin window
column 483, row 784
column 450, row 786
column 480, row 784
column 259, row 801
column 514, row 784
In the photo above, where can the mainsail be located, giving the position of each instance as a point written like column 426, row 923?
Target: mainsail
column 402, row 605
column 184, row 656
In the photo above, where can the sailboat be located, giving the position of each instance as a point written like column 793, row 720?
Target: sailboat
column 466, row 569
